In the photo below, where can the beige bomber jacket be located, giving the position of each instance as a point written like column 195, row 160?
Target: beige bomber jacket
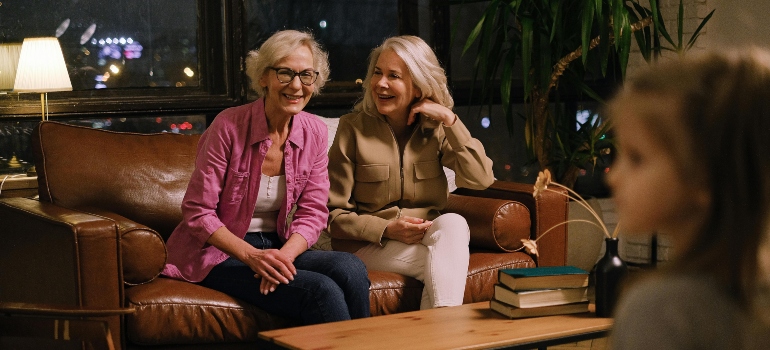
column 371, row 184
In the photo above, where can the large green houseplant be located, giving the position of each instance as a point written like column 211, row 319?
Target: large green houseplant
column 555, row 48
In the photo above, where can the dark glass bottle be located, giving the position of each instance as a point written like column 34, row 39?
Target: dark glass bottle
column 610, row 271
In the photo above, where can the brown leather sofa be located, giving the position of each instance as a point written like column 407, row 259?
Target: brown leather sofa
column 107, row 201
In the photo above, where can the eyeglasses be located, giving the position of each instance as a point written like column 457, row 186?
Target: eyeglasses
column 286, row 75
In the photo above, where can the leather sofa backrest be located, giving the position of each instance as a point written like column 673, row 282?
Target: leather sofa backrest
column 142, row 177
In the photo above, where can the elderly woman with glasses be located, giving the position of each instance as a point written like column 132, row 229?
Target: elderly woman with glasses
column 385, row 168
column 257, row 197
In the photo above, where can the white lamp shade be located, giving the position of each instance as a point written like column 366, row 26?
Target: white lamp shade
column 41, row 67
column 9, row 59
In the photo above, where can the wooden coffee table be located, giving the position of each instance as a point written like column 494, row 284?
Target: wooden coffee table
column 470, row 326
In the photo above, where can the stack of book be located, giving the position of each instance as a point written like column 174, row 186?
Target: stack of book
column 541, row 291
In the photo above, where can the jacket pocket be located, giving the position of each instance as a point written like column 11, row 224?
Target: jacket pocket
column 428, row 181
column 235, row 185
column 371, row 183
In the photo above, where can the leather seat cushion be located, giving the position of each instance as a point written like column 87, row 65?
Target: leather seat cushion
column 394, row 293
column 168, row 311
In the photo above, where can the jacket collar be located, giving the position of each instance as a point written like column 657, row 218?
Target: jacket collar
column 259, row 132
column 424, row 124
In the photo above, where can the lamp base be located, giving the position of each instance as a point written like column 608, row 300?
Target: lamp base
column 32, row 172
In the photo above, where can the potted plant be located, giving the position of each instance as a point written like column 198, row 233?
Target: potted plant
column 561, row 47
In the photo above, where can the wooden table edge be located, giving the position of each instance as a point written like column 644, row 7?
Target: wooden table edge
column 275, row 338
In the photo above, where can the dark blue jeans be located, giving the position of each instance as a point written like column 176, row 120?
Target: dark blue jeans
column 329, row 286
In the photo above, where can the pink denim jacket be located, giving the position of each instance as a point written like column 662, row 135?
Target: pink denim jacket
column 224, row 185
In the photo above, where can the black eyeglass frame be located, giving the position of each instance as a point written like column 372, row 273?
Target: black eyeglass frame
column 295, row 74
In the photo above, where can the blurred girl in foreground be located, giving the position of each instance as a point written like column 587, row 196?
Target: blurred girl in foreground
column 693, row 140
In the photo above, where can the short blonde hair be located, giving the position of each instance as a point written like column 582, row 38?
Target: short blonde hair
column 280, row 45
column 427, row 74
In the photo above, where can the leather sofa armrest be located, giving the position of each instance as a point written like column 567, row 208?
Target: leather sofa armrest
column 58, row 256
column 546, row 211
column 143, row 252
column 55, row 255
column 495, row 224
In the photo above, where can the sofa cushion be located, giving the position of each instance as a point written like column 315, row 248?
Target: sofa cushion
column 168, row 311
column 495, row 224
column 392, row 293
column 142, row 177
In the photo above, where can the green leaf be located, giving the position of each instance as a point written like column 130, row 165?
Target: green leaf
column 587, row 27
column 484, row 47
column 623, row 42
column 650, row 45
column 526, row 52
column 474, row 33
column 617, row 18
column 641, row 40
column 696, row 33
column 604, row 44
column 557, row 12
column 515, row 6
column 506, row 81
column 657, row 19
column 581, row 85
column 598, row 5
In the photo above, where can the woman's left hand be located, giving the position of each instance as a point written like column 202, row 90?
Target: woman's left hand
column 266, row 286
column 433, row 111
column 293, row 247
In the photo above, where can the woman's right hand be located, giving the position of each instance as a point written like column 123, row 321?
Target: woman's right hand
column 272, row 265
column 407, row 229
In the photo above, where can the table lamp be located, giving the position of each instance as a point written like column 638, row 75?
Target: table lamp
column 9, row 59
column 41, row 69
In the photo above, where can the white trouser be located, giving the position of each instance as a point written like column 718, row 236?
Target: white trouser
column 439, row 261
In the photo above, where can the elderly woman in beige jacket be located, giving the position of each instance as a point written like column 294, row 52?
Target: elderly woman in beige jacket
column 385, row 169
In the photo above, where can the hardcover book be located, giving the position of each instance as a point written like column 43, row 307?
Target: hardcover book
column 517, row 312
column 540, row 297
column 548, row 277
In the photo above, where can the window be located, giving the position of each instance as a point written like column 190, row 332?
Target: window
column 348, row 30
column 130, row 57
column 107, row 45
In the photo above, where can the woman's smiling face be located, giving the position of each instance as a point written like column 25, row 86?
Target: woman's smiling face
column 292, row 97
column 392, row 87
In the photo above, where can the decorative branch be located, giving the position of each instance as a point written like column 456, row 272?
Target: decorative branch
column 564, row 62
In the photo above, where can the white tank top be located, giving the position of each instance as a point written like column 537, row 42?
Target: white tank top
column 272, row 191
